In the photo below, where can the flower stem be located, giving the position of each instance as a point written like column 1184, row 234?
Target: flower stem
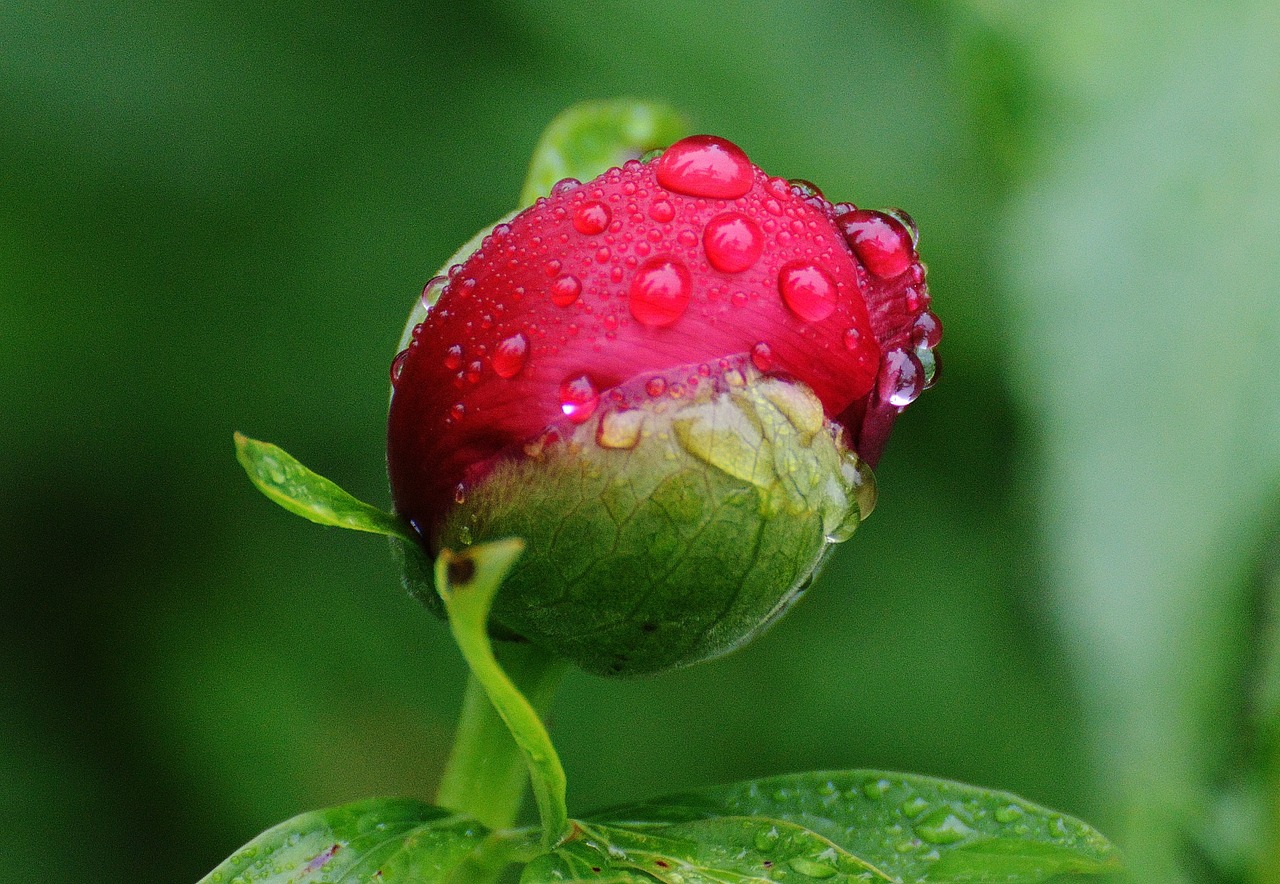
column 468, row 582
column 486, row 774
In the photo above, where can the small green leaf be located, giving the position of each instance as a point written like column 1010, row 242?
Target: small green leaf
column 589, row 138
column 282, row 478
column 842, row 826
column 367, row 842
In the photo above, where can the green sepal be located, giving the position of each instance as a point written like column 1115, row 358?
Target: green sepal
column 280, row 476
column 589, row 138
column 370, row 842
column 830, row 826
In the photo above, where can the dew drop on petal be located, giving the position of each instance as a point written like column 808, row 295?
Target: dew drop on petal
column 453, row 358
column 655, row 387
column 565, row 290
column 433, row 289
column 908, row 223
column 926, row 332
column 932, row 365
column 660, row 291
column 578, row 398
column 511, row 355
column 881, row 243
column 705, row 166
column 762, row 356
column 662, row 211
column 733, row 242
column 591, row 218
column 565, row 185
column 397, row 365
column 808, row 290
column 901, row 378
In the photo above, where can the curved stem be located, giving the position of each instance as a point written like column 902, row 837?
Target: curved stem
column 468, row 582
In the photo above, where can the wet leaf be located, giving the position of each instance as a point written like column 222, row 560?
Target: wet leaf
column 366, row 842
column 282, row 478
column 842, row 826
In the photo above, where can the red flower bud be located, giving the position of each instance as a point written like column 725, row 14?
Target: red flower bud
column 651, row 282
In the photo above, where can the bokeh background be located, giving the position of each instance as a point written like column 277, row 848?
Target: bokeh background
column 214, row 216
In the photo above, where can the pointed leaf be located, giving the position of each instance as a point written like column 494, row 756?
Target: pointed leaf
column 366, row 842
column 589, row 138
column 849, row 825
column 282, row 478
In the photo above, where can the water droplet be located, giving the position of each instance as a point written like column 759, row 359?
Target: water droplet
column 660, row 291
column 565, row 185
column 591, row 218
column 565, row 290
column 650, row 155
column 942, row 827
column 767, row 839
column 460, row 493
column 1008, row 814
column 433, row 289
column 762, row 356
column 655, row 387
column 510, row 356
column 733, row 242
column 805, row 189
column 620, row 429
column 457, row 411
column 852, row 339
column 881, row 243
column 662, row 211
column 909, row 223
column 901, row 378
column 862, row 483
column 811, row 868
column 798, row 404
column 705, row 166
column 397, row 365
column 931, row 365
column 578, row 398
column 473, row 371
column 926, row 331
column 453, row 358
column 808, row 290
column 914, row 806
column 875, row 789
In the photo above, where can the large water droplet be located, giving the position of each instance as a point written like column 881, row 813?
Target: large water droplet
column 942, row 827
column 901, row 378
column 762, row 356
column 705, row 166
column 565, row 185
column 578, row 398
column 565, row 290
column 591, row 218
column 908, row 223
column 926, row 331
column 620, row 429
column 397, row 365
column 808, row 290
column 881, row 243
column 510, row 356
column 660, row 291
column 433, row 289
column 733, row 242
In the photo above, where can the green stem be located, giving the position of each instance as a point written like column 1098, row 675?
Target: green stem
column 468, row 582
column 486, row 774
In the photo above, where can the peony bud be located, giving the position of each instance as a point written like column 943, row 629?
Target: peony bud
column 672, row 382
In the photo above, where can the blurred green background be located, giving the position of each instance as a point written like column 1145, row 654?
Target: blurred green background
column 214, row 216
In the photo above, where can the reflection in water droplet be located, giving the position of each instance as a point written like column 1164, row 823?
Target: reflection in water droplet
column 926, row 331
column 433, row 289
column 565, row 290
column 453, row 358
column 881, row 243
column 762, row 356
column 808, row 290
column 565, row 185
column 908, row 223
column 511, row 355
column 931, row 365
column 705, row 166
column 733, row 242
column 591, row 218
column 660, row 291
column 901, row 378
column 397, row 365
column 578, row 398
